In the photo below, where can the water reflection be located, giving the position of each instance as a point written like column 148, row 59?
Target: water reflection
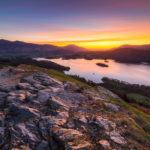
column 132, row 73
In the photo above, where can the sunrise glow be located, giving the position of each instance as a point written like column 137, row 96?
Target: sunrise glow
column 90, row 24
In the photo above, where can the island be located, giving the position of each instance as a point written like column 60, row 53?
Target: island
column 102, row 65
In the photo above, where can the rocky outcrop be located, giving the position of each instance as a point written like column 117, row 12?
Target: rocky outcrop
column 42, row 113
column 112, row 107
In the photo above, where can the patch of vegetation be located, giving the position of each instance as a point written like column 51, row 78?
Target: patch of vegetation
column 63, row 77
column 89, row 82
column 141, row 118
column 135, row 133
column 135, row 122
column 132, row 93
column 138, row 99
column 1, row 67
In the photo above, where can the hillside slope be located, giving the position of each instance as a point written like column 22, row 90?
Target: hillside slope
column 39, row 110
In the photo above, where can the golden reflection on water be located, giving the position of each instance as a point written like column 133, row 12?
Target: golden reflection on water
column 132, row 73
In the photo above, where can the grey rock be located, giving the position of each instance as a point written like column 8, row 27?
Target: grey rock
column 70, row 125
column 104, row 90
column 105, row 123
column 56, row 90
column 2, row 135
column 105, row 144
column 83, row 146
column 70, row 86
column 47, row 123
column 43, row 79
column 2, row 129
column 79, row 109
column 77, row 98
column 47, row 80
column 81, row 118
column 112, row 107
column 24, row 86
column 66, row 134
column 31, row 97
column 44, row 95
column 19, row 96
column 17, row 113
column 39, row 86
column 35, row 104
column 62, row 114
column 45, row 127
column 21, row 134
column 43, row 146
column 9, row 77
column 117, row 138
column 57, row 103
column 72, row 99
column 3, row 95
column 2, row 120
column 93, row 95
column 30, row 79
column 54, row 121
column 7, row 88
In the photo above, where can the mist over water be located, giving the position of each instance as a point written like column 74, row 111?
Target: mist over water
column 132, row 73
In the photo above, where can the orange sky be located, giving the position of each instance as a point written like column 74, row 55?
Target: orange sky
column 110, row 37
column 93, row 24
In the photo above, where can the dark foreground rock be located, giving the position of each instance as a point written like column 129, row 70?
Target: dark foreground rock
column 42, row 113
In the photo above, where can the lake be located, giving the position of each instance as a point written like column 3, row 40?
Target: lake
column 132, row 73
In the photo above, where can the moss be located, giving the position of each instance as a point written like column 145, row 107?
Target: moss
column 139, row 99
column 136, row 132
column 63, row 77
column 137, row 123
column 104, row 106
column 142, row 120
column 137, row 112
column 1, row 67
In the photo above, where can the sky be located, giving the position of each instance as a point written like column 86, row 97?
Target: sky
column 93, row 24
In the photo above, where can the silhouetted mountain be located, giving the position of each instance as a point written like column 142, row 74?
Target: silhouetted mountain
column 145, row 47
column 125, row 53
column 74, row 48
column 22, row 48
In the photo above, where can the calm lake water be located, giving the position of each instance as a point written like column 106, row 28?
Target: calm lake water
column 132, row 73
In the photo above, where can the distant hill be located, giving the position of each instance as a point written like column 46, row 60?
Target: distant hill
column 125, row 53
column 22, row 48
column 145, row 47
column 74, row 48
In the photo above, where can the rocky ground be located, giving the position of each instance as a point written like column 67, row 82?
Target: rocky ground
column 38, row 112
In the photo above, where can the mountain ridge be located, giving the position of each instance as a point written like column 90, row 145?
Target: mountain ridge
column 72, row 46
column 125, row 53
